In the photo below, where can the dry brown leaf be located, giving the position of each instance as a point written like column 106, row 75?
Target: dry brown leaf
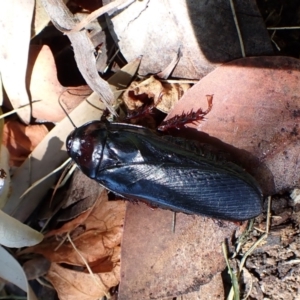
column 99, row 244
column 102, row 229
column 108, row 214
column 71, row 225
column 20, row 140
column 44, row 86
column 73, row 285
column 165, row 95
column 93, row 245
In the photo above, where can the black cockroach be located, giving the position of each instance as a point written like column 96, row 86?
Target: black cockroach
column 137, row 163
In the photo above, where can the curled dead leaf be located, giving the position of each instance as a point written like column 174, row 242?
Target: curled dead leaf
column 162, row 94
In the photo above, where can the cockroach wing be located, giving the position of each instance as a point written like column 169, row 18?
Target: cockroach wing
column 203, row 191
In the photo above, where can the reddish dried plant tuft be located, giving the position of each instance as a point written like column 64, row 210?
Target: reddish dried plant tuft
column 193, row 117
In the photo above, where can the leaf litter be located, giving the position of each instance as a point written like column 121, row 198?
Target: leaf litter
column 97, row 238
column 251, row 129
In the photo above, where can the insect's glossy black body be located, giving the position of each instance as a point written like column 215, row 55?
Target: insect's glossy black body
column 136, row 163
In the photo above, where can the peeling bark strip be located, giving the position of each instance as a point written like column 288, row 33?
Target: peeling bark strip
column 99, row 12
column 83, row 49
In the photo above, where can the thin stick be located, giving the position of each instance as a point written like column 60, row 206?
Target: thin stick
column 234, row 292
column 273, row 41
column 70, row 172
column 66, row 174
column 250, row 288
column 268, row 214
column 242, row 238
column 43, row 283
column 283, row 28
column 191, row 81
column 17, row 109
column 292, row 262
column 237, row 28
column 67, row 115
column 174, row 222
column 45, row 177
column 61, row 242
column 253, row 247
column 265, row 235
column 13, row 297
column 94, row 277
column 111, row 59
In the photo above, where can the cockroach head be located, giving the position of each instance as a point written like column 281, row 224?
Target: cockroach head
column 85, row 146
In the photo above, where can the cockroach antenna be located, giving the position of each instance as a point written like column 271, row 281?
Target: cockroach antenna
column 66, row 113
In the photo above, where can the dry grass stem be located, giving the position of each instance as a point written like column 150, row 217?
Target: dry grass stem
column 237, row 28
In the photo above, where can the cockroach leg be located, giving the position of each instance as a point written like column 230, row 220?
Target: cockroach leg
column 174, row 221
column 185, row 118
